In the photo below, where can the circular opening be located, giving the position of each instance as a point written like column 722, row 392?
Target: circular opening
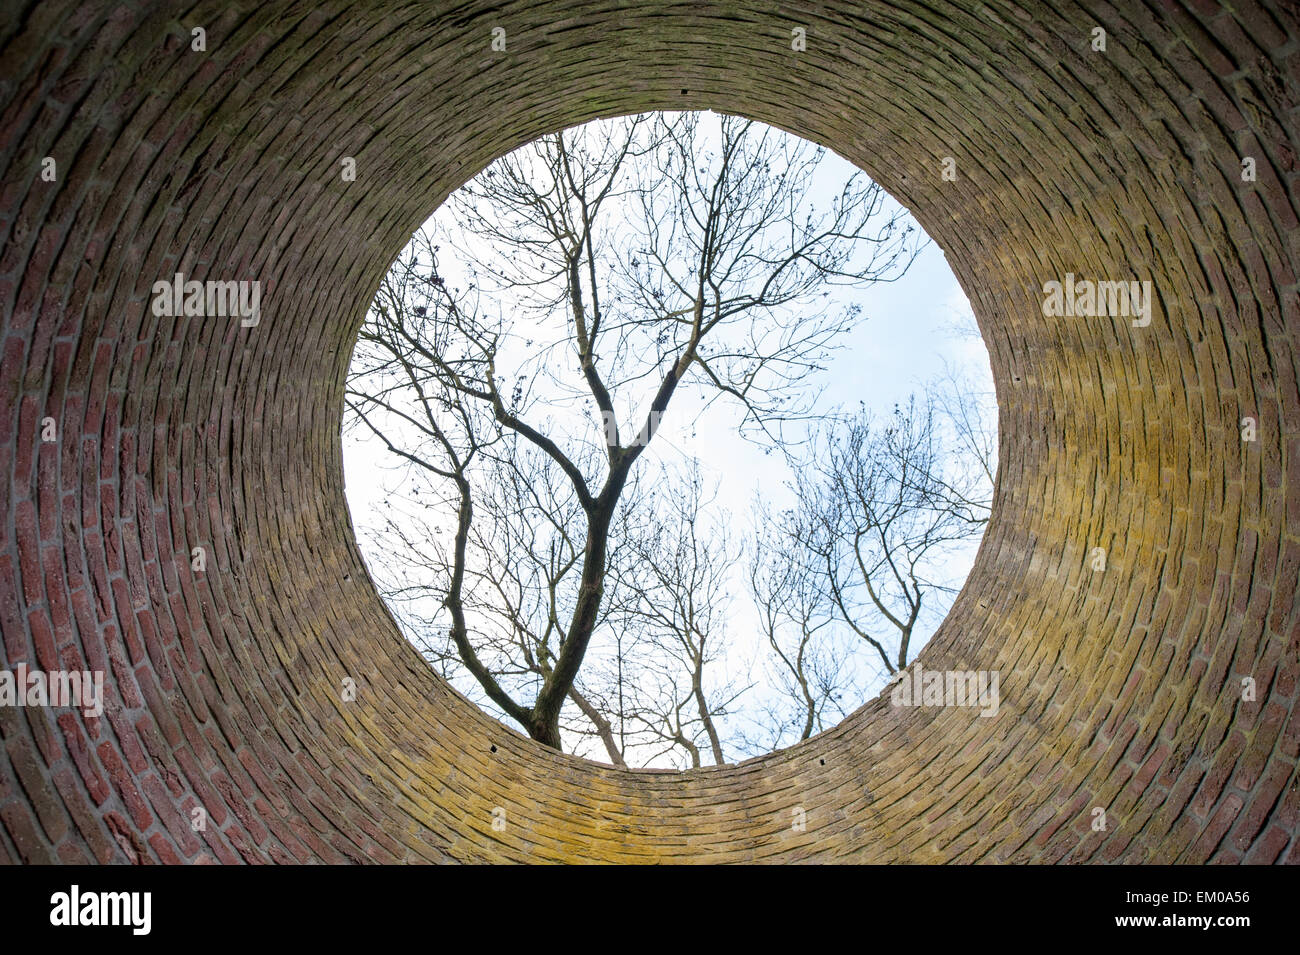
column 1165, row 445
column 740, row 341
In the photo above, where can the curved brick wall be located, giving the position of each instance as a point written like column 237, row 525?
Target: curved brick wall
column 1121, row 689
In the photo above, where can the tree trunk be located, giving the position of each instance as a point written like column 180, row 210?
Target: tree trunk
column 715, row 743
column 545, row 728
column 603, row 727
column 545, row 717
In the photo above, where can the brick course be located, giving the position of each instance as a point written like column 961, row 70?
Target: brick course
column 1120, row 689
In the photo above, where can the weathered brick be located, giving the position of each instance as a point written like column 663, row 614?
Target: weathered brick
column 1124, row 688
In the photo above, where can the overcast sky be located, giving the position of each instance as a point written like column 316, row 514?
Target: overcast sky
column 912, row 327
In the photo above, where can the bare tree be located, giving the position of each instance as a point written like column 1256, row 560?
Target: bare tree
column 811, row 679
column 968, row 419
column 888, row 502
column 632, row 260
column 861, row 557
column 681, row 578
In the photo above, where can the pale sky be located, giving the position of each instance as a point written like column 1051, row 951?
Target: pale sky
column 912, row 327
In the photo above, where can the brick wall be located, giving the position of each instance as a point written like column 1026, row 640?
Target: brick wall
column 1121, row 689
